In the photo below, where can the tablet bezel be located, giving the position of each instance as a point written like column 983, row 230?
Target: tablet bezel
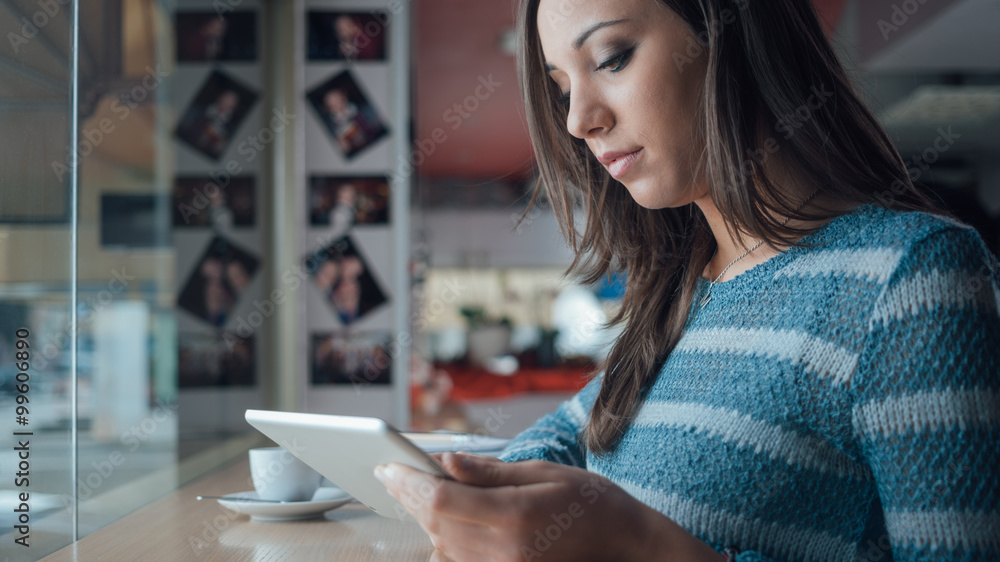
column 346, row 450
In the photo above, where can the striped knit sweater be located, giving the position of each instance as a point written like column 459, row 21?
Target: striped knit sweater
column 835, row 403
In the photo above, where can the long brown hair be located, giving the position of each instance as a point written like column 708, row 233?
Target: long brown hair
column 764, row 61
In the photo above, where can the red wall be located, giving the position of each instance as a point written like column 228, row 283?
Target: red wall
column 458, row 56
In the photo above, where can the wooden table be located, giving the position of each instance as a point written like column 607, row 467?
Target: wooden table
column 178, row 527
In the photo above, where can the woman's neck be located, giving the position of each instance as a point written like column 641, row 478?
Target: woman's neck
column 730, row 248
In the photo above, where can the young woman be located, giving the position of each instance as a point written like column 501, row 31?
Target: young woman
column 809, row 364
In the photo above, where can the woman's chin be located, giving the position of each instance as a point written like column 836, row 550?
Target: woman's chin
column 650, row 195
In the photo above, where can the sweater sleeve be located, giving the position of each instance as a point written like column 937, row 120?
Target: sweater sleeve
column 926, row 407
column 556, row 437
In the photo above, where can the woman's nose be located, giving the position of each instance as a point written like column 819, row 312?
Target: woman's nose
column 588, row 115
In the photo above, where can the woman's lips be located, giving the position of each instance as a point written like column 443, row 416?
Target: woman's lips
column 620, row 165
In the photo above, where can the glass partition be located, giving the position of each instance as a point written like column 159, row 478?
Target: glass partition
column 126, row 373
column 89, row 353
column 36, row 279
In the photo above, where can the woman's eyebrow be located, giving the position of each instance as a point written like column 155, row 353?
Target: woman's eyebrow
column 584, row 36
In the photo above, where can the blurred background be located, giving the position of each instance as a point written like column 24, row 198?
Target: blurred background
column 319, row 205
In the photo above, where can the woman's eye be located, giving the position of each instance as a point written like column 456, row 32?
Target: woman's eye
column 614, row 64
column 617, row 62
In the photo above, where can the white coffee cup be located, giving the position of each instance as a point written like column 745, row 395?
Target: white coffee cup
column 279, row 475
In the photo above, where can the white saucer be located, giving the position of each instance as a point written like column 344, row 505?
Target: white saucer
column 323, row 500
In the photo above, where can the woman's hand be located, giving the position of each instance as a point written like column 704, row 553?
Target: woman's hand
column 534, row 510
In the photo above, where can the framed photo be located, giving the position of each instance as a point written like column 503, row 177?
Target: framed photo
column 226, row 360
column 219, row 278
column 341, row 274
column 368, row 196
column 346, row 113
column 130, row 220
column 350, row 36
column 199, row 201
column 349, row 358
column 216, row 112
column 216, row 36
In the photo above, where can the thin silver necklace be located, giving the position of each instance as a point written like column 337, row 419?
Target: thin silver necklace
column 708, row 293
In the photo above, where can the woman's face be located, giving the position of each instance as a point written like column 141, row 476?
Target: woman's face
column 634, row 91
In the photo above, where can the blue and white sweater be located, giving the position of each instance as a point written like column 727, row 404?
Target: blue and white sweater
column 838, row 403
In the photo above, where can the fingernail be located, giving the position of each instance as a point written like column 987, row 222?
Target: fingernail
column 384, row 473
column 459, row 459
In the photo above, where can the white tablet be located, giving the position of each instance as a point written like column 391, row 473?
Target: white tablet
column 346, row 450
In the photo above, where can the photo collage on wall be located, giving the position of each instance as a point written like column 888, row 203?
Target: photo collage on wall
column 346, row 36
column 214, row 212
column 208, row 36
column 349, row 358
column 348, row 210
column 209, row 123
column 345, row 280
column 199, row 202
column 219, row 278
column 367, row 197
column 214, row 361
column 347, row 114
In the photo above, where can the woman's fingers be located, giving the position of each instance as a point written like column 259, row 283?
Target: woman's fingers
column 454, row 538
column 426, row 495
column 486, row 458
column 482, row 470
column 438, row 522
column 448, row 459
